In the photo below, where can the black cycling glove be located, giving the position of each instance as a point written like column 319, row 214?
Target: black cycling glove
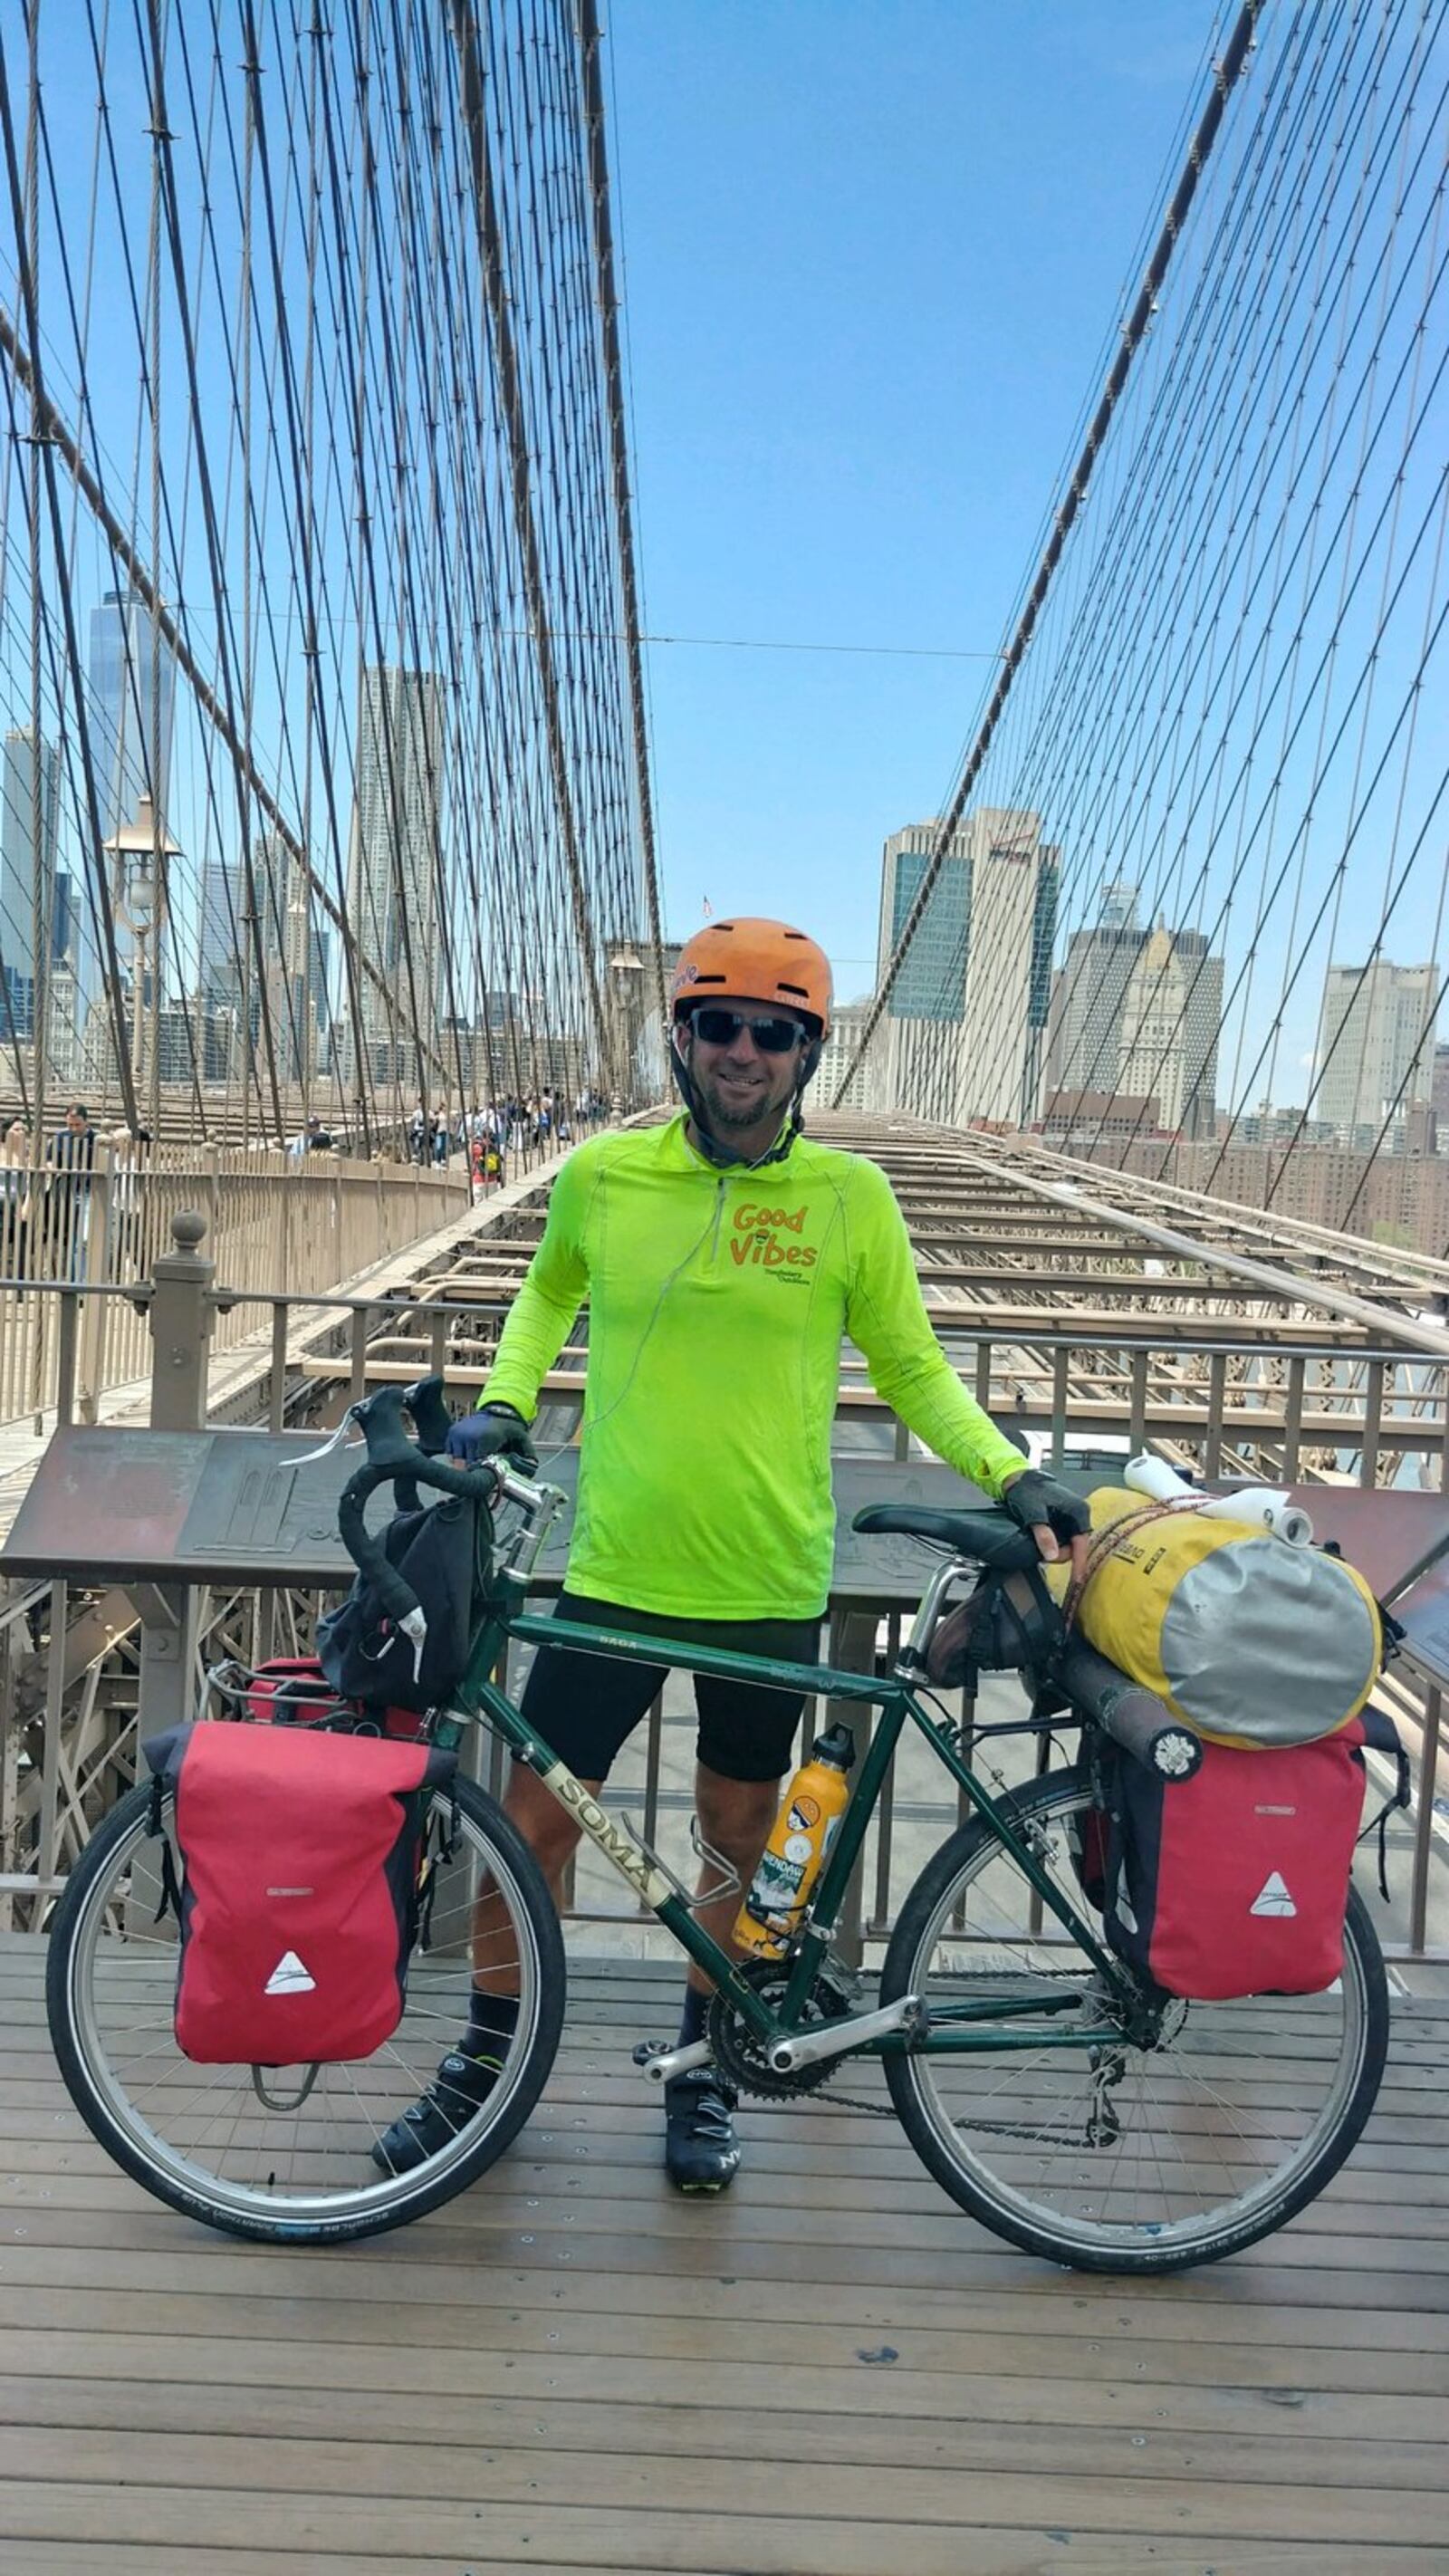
column 493, row 1430
column 1037, row 1501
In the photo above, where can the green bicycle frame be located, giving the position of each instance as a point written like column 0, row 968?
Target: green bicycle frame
column 957, row 2027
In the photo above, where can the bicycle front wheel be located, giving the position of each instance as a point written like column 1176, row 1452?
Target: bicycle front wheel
column 1115, row 2157
column 261, row 2151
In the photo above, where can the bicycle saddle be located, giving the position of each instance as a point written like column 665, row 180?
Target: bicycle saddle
column 988, row 1538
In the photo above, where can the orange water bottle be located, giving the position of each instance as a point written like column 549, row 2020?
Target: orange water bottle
column 795, row 1854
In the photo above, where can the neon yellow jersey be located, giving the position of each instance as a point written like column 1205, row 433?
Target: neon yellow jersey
column 717, row 1304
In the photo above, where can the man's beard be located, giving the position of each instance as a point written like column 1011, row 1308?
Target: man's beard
column 729, row 1109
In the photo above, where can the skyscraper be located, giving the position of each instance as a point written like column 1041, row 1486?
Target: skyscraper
column 1171, row 1015
column 283, row 896
column 319, row 995
column 29, row 877
column 1087, row 1035
column 932, row 982
column 1014, row 881
column 866, row 1091
column 133, row 696
column 393, row 865
column 966, row 1022
column 915, row 1056
column 1375, row 1044
column 224, row 942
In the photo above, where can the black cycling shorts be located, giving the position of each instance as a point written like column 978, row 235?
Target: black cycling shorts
column 587, row 1706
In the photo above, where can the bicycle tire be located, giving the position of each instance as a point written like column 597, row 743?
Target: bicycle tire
column 78, row 1973
column 1143, row 2244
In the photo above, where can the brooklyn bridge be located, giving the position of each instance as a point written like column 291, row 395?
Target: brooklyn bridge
column 337, row 910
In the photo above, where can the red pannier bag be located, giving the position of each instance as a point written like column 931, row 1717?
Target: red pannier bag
column 300, row 1852
column 1235, row 1882
column 293, row 1689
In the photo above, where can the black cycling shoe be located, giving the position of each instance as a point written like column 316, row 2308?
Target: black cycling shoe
column 461, row 2083
column 701, row 2150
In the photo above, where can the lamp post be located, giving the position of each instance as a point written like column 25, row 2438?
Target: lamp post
column 626, row 994
column 142, row 852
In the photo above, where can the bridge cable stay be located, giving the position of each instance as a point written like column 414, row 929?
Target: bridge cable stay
column 1310, row 701
column 1083, row 828
column 1221, row 704
column 591, row 43
column 1113, row 768
column 364, row 568
column 26, row 281
column 1067, row 511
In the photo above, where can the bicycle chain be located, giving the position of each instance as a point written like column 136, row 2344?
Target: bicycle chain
column 760, row 2081
column 979, row 2128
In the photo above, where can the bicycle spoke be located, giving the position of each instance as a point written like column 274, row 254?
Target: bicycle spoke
column 1160, row 2148
column 293, row 2146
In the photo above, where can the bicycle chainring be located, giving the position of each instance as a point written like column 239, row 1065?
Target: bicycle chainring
column 738, row 2053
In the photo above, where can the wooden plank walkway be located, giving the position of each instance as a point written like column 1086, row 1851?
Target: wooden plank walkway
column 829, row 2370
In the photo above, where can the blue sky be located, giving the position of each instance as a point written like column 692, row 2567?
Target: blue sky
column 875, row 253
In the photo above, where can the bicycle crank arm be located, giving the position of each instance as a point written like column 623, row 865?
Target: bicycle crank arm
column 833, row 2038
column 660, row 2063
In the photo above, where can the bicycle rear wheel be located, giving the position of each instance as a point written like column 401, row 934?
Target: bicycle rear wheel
column 212, row 2141
column 1119, row 2158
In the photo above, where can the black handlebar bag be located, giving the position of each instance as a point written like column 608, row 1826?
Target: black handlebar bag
column 443, row 1552
column 301, row 1857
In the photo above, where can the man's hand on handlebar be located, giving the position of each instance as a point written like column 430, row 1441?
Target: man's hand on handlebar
column 1053, row 1514
column 494, row 1430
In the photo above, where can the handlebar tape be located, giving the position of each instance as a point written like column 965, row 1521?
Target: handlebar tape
column 368, row 1554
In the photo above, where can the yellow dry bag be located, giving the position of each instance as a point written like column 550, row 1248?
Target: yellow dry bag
column 1248, row 1640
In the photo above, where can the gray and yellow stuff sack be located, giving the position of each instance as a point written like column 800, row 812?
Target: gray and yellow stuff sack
column 1248, row 1640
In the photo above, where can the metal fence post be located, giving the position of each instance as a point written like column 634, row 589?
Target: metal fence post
column 281, row 1240
column 181, row 1320
column 211, row 1161
column 100, row 1262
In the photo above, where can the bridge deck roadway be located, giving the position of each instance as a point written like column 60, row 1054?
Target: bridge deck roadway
column 831, row 2368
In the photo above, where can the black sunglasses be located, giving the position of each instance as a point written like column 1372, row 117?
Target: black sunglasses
column 721, row 1028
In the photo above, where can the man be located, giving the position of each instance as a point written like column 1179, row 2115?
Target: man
column 71, row 1155
column 723, row 1257
column 314, row 1139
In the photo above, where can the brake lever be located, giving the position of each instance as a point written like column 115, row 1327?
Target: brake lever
column 415, row 1628
column 339, row 1440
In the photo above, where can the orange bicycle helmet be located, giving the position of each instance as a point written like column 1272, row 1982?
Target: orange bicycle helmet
column 757, row 961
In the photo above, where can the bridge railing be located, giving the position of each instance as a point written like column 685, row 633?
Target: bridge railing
column 77, row 1250
column 1310, row 1410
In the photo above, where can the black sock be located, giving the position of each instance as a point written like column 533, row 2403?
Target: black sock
column 691, row 2020
column 492, row 2021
